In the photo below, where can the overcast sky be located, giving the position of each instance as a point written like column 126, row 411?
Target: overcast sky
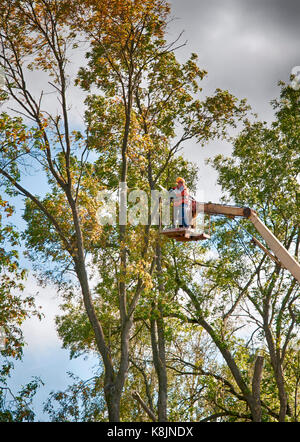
column 246, row 46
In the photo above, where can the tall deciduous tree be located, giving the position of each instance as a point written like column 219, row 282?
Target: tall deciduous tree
column 246, row 287
column 266, row 178
column 142, row 93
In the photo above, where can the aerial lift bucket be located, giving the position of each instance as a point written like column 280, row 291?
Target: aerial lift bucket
column 197, row 230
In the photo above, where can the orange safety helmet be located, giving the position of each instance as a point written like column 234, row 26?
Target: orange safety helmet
column 180, row 179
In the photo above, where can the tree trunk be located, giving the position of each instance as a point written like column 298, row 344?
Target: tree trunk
column 275, row 356
column 256, row 381
column 281, row 392
column 158, row 349
column 160, row 368
column 163, row 381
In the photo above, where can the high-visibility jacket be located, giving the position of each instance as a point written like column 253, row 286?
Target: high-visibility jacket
column 181, row 195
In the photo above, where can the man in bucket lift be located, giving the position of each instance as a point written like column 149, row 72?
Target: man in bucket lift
column 180, row 195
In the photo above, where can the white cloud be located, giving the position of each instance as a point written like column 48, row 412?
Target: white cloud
column 40, row 335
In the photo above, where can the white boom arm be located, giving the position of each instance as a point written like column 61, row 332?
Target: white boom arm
column 286, row 259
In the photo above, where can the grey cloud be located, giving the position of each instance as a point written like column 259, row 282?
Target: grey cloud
column 246, row 46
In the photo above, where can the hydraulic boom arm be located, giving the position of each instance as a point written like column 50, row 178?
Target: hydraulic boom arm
column 285, row 258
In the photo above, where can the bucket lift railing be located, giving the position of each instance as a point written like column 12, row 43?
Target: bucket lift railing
column 199, row 223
